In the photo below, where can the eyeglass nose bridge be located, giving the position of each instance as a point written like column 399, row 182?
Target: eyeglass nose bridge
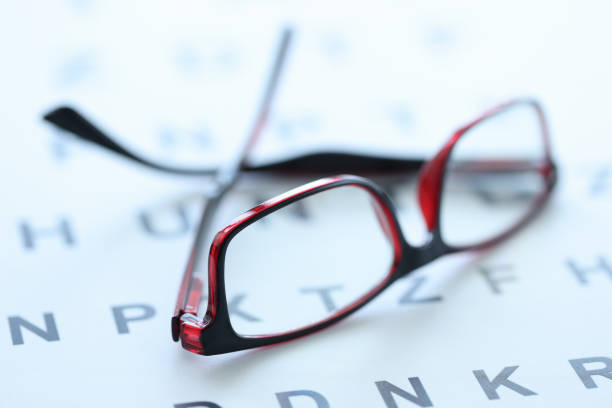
column 407, row 257
column 415, row 257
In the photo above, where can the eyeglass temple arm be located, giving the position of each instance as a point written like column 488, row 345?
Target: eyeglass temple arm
column 190, row 291
column 70, row 120
column 492, row 166
column 321, row 163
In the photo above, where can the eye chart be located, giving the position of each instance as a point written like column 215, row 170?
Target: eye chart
column 93, row 246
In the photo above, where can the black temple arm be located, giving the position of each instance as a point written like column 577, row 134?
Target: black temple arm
column 326, row 163
column 323, row 163
column 68, row 119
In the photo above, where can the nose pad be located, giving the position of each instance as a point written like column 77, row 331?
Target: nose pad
column 383, row 221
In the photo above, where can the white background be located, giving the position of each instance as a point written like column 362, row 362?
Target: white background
column 195, row 68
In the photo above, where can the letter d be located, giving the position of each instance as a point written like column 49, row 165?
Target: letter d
column 284, row 398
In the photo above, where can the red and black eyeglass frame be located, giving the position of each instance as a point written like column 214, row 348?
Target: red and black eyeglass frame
column 213, row 333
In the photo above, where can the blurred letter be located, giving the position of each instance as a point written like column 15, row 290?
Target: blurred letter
column 178, row 228
column 285, row 397
column 493, row 283
column 409, row 297
column 580, row 273
column 146, row 312
column 49, row 334
column 62, row 230
column 324, row 293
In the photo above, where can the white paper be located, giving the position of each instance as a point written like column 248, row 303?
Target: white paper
column 179, row 82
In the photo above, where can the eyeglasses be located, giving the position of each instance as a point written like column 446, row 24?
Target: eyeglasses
column 488, row 180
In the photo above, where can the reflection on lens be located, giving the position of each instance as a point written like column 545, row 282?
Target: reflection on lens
column 303, row 263
column 493, row 177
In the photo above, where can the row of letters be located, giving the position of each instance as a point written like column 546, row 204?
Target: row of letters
column 493, row 387
column 324, row 296
column 588, row 369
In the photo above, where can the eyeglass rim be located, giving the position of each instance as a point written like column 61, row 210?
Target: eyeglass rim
column 431, row 177
column 216, row 331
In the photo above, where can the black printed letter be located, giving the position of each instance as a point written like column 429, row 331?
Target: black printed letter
column 387, row 390
column 146, row 312
column 487, row 273
column 580, row 273
column 284, row 398
column 63, row 230
column 408, row 297
column 490, row 387
column 324, row 293
column 16, row 323
column 233, row 307
column 587, row 375
column 179, row 226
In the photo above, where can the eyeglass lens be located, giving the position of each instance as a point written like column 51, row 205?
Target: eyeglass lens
column 493, row 177
column 304, row 262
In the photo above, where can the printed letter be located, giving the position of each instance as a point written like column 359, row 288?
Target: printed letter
column 587, row 375
column 386, row 390
column 490, row 387
column 284, row 398
column 121, row 320
column 49, row 334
